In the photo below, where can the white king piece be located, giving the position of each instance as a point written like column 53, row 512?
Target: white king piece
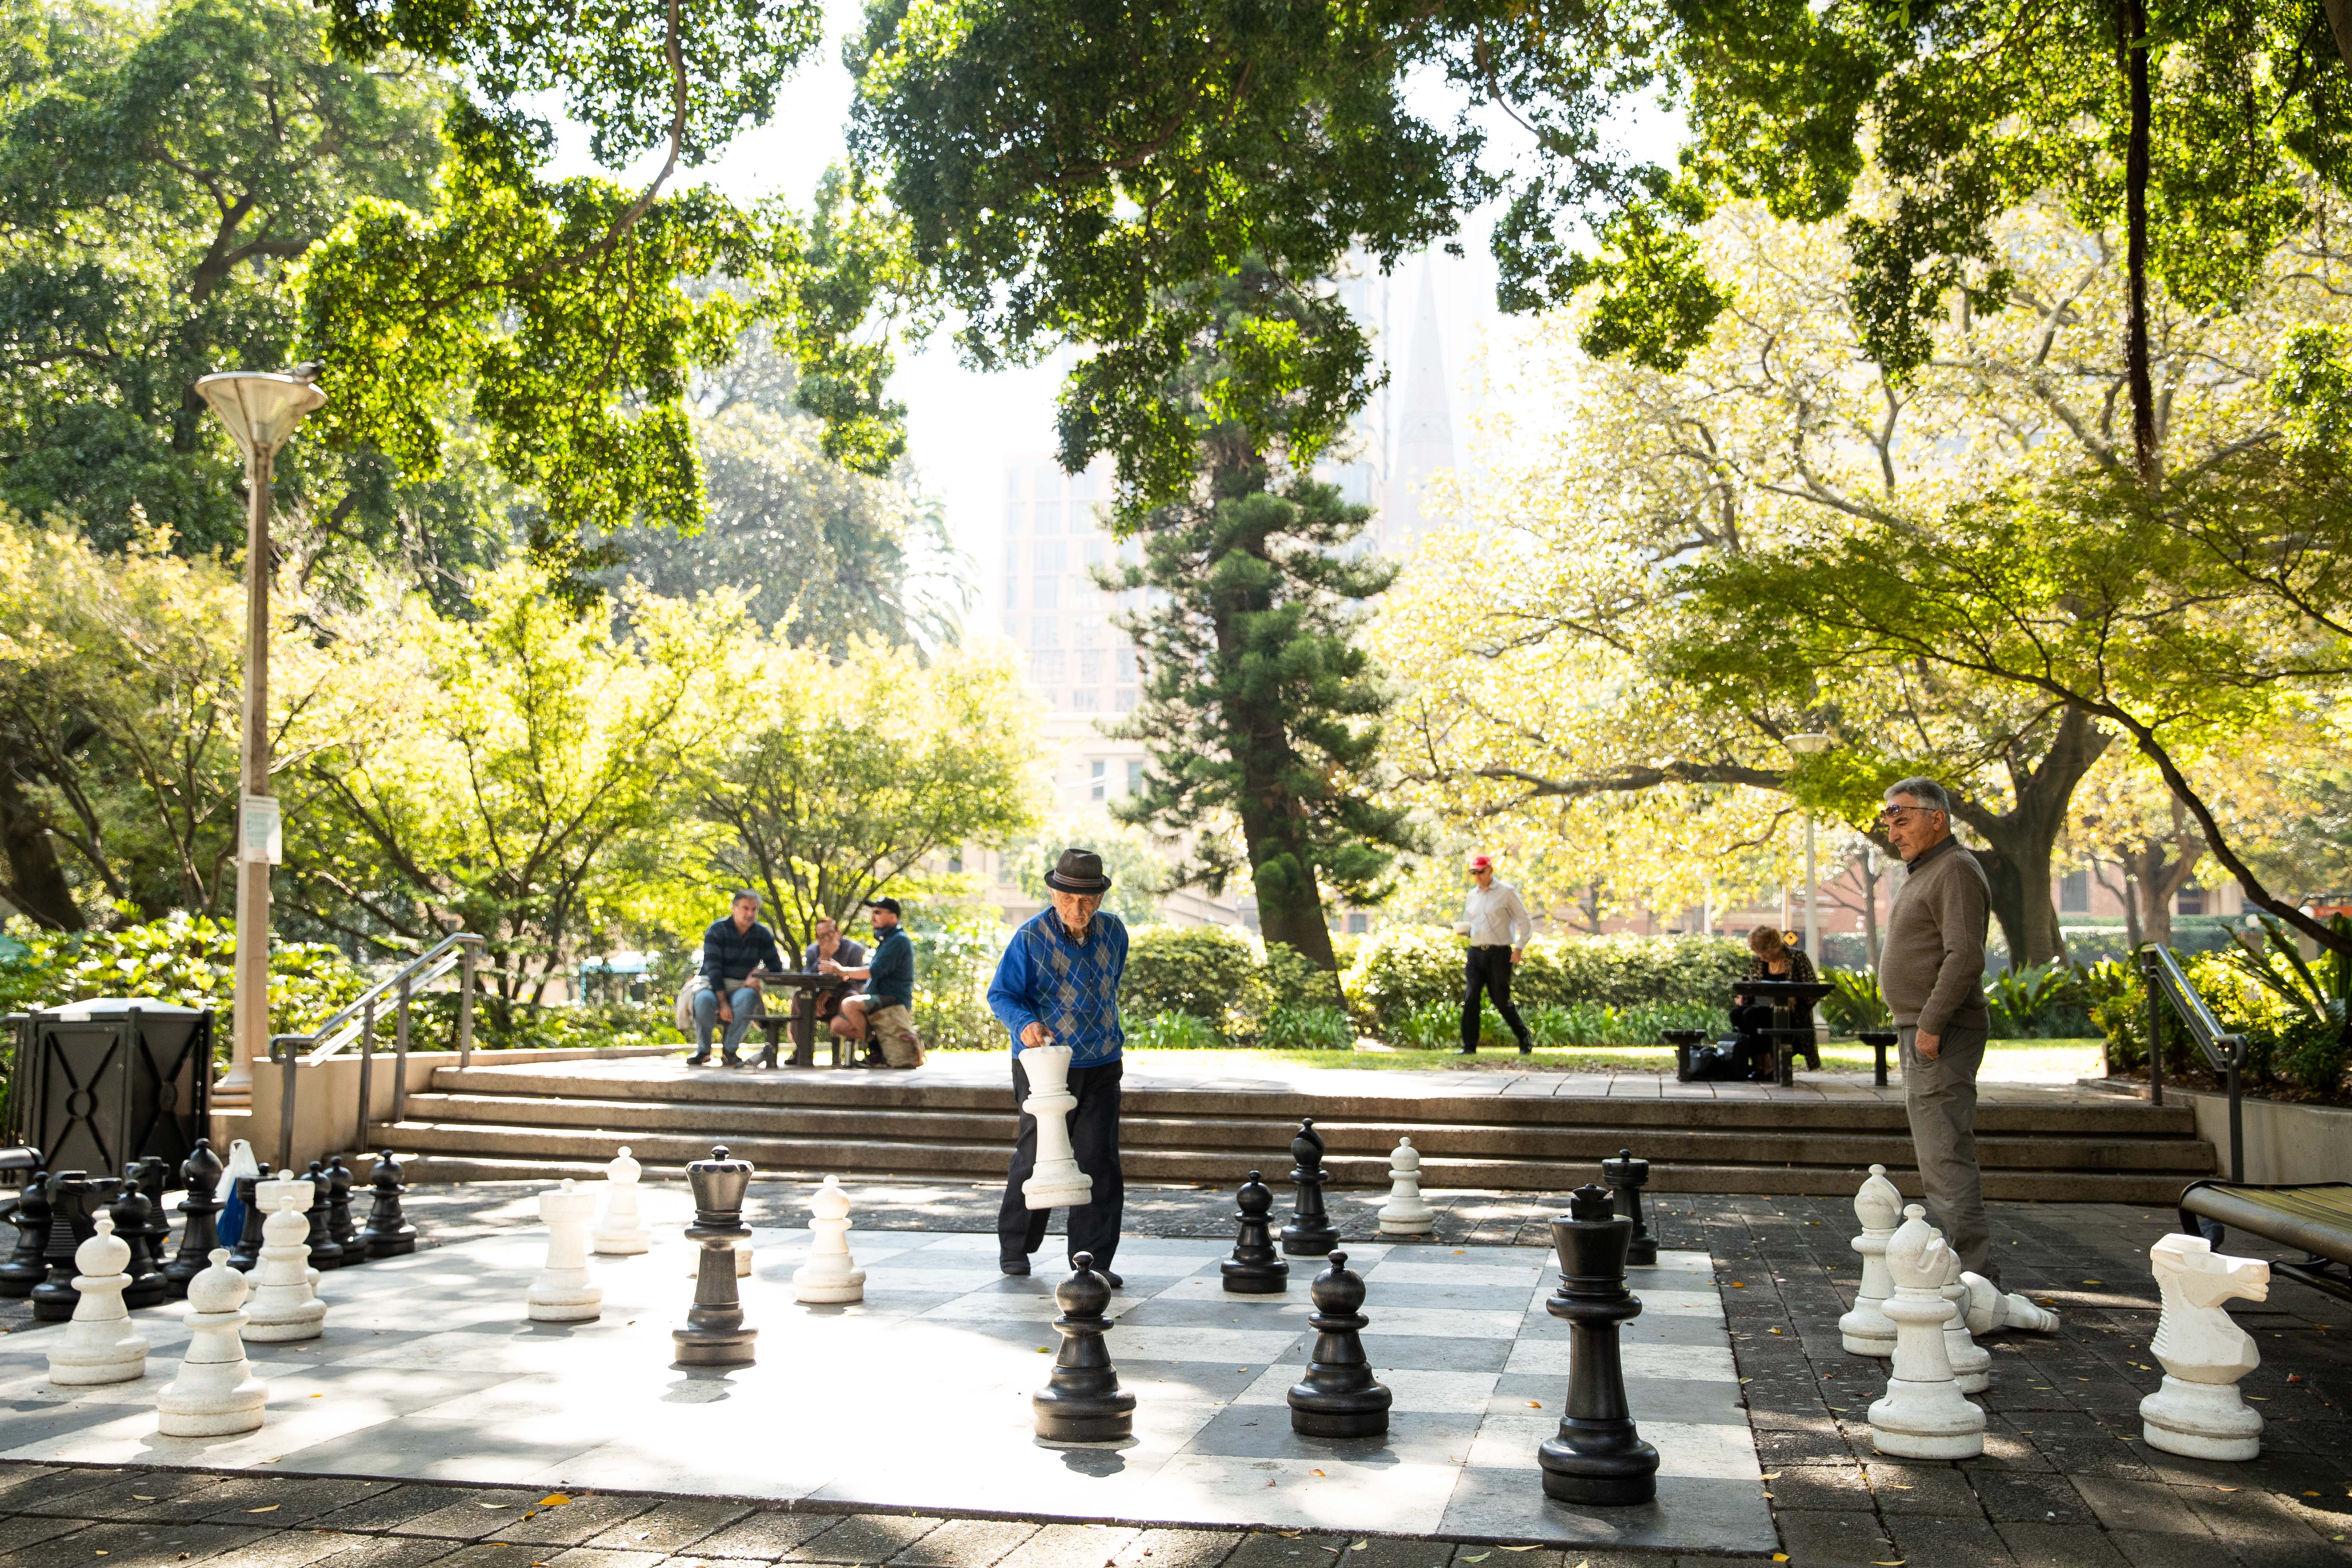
column 1058, row 1182
column 1867, row 1330
column 2199, row 1411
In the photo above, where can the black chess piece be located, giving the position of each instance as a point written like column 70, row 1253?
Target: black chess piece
column 714, row 1334
column 155, row 1181
column 199, row 1221
column 326, row 1252
column 1254, row 1268
column 1082, row 1401
column 1338, row 1398
column 74, row 1201
column 1597, row 1458
column 338, row 1211
column 388, row 1232
column 1310, row 1233
column 1626, row 1177
column 24, row 1268
column 247, row 1251
column 148, row 1288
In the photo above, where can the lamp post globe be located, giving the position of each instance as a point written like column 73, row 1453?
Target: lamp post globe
column 1810, row 743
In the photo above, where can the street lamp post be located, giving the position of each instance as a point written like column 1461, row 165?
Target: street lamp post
column 1811, row 745
column 260, row 409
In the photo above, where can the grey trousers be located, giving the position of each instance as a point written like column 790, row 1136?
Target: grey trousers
column 1941, row 1097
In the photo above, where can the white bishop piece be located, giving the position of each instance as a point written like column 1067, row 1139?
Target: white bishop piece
column 830, row 1274
column 215, row 1394
column 100, row 1346
column 284, row 1306
column 1990, row 1309
column 1971, row 1363
column 563, row 1293
column 1924, row 1416
column 1405, row 1213
column 1057, row 1181
column 1867, row 1330
column 620, row 1233
column 2199, row 1411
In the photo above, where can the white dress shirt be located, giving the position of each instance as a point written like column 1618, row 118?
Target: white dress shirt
column 1493, row 916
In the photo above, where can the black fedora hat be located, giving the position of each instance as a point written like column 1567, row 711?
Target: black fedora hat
column 1078, row 872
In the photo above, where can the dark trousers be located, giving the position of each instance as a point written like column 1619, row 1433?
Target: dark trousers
column 1489, row 970
column 1094, row 1137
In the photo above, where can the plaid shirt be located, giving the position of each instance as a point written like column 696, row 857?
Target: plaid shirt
column 1071, row 987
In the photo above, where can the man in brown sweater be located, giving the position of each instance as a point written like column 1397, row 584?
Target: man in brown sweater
column 1931, row 972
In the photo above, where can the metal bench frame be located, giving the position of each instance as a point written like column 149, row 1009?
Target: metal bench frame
column 2208, row 1207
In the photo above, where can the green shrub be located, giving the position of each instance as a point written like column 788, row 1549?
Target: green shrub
column 1307, row 1028
column 1403, row 969
column 1172, row 1032
column 1207, row 971
column 1856, row 1004
column 1591, row 1026
column 956, row 950
column 1437, row 1026
column 1289, row 978
column 2047, row 1001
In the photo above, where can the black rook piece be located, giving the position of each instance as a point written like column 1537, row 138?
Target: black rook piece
column 1254, row 1269
column 1082, row 1401
column 1626, row 1177
column 338, row 1211
column 1338, row 1398
column 1598, row 1458
column 74, row 1203
column 199, row 1227
column 24, row 1268
column 714, row 1334
column 388, row 1232
column 247, row 1251
column 326, row 1252
column 148, row 1286
column 1310, row 1233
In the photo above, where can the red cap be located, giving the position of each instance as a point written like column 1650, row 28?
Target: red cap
column 1482, row 862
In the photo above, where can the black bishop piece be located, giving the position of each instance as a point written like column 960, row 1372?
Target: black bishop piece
column 1598, row 1458
column 1338, row 1398
column 388, row 1232
column 714, row 1334
column 338, row 1211
column 148, row 1288
column 199, row 1221
column 247, row 1251
column 1310, row 1233
column 326, row 1252
column 1626, row 1177
column 24, row 1268
column 1254, row 1268
column 1082, row 1401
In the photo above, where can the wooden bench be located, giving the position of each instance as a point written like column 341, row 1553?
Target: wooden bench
column 2316, row 1216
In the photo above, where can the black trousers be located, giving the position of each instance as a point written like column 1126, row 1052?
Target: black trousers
column 1489, row 970
column 1094, row 1137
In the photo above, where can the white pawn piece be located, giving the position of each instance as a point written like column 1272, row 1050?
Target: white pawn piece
column 100, row 1346
column 829, row 1275
column 284, row 1306
column 1057, row 1181
column 563, row 1293
column 2198, row 1412
column 1924, row 1416
column 1867, row 1330
column 1971, row 1363
column 620, row 1233
column 215, row 1394
column 1405, row 1213
column 1990, row 1309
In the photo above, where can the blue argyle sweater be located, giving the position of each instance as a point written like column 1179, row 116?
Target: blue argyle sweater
column 1071, row 987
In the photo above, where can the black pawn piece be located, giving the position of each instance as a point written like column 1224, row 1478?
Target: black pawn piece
column 326, row 1252
column 247, row 1251
column 1082, row 1401
column 24, row 1268
column 1626, row 1177
column 199, row 1222
column 338, row 1211
column 148, row 1288
column 1255, row 1269
column 1339, row 1397
column 1597, row 1460
column 388, row 1232
column 1310, row 1233
column 714, row 1334
column 74, row 1203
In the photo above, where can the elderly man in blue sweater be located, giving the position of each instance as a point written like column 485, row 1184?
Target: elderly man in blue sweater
column 1057, row 984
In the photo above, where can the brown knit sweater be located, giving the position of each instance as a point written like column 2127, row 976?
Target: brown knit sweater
column 1931, row 969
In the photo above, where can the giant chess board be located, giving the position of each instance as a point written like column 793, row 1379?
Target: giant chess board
column 918, row 1397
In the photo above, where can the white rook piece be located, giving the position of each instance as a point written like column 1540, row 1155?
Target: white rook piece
column 1867, row 1330
column 829, row 1275
column 563, row 1293
column 1990, row 1308
column 2199, row 1411
column 284, row 1306
column 1405, row 1214
column 1924, row 1416
column 1057, row 1181
column 100, row 1346
column 1971, row 1363
column 215, row 1394
column 620, row 1233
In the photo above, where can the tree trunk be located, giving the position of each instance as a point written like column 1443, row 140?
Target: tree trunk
column 2129, row 894
column 2159, row 869
column 37, row 882
column 2339, row 22
column 2131, row 57
column 2020, row 842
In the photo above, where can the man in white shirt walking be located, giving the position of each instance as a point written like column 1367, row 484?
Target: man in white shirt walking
column 1498, row 927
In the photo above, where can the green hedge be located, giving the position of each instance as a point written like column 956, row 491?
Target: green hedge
column 2290, row 1052
column 1403, row 969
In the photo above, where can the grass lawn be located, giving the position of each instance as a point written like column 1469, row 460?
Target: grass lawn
column 2009, row 1061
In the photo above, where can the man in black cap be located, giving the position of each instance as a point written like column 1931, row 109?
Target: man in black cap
column 1057, row 984
column 883, row 1011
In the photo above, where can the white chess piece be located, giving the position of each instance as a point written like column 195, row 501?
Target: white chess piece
column 1867, row 1330
column 1057, row 1181
column 563, row 1293
column 284, row 1306
column 215, row 1394
column 1923, row 1416
column 1989, row 1310
column 2198, row 1412
column 100, row 1346
column 830, row 1274
column 620, row 1232
column 1971, row 1363
column 1405, row 1213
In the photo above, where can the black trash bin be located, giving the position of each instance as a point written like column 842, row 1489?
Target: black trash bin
column 99, row 1083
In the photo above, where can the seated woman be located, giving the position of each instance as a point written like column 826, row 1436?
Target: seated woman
column 1771, row 958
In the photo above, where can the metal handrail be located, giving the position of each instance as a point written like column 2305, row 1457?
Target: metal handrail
column 460, row 951
column 2226, row 1052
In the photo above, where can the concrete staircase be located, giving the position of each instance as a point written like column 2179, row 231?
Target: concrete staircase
column 515, row 1122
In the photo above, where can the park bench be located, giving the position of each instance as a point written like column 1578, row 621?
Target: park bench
column 2315, row 1216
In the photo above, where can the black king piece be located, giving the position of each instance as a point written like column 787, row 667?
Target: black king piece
column 1310, row 1233
column 1082, row 1401
column 1626, row 1177
column 1597, row 1458
column 714, row 1334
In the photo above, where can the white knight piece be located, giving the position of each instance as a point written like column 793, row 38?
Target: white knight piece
column 2198, row 1412
column 1924, row 1416
column 1057, row 1181
column 620, row 1232
column 1405, row 1213
column 830, row 1275
column 1867, row 1330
